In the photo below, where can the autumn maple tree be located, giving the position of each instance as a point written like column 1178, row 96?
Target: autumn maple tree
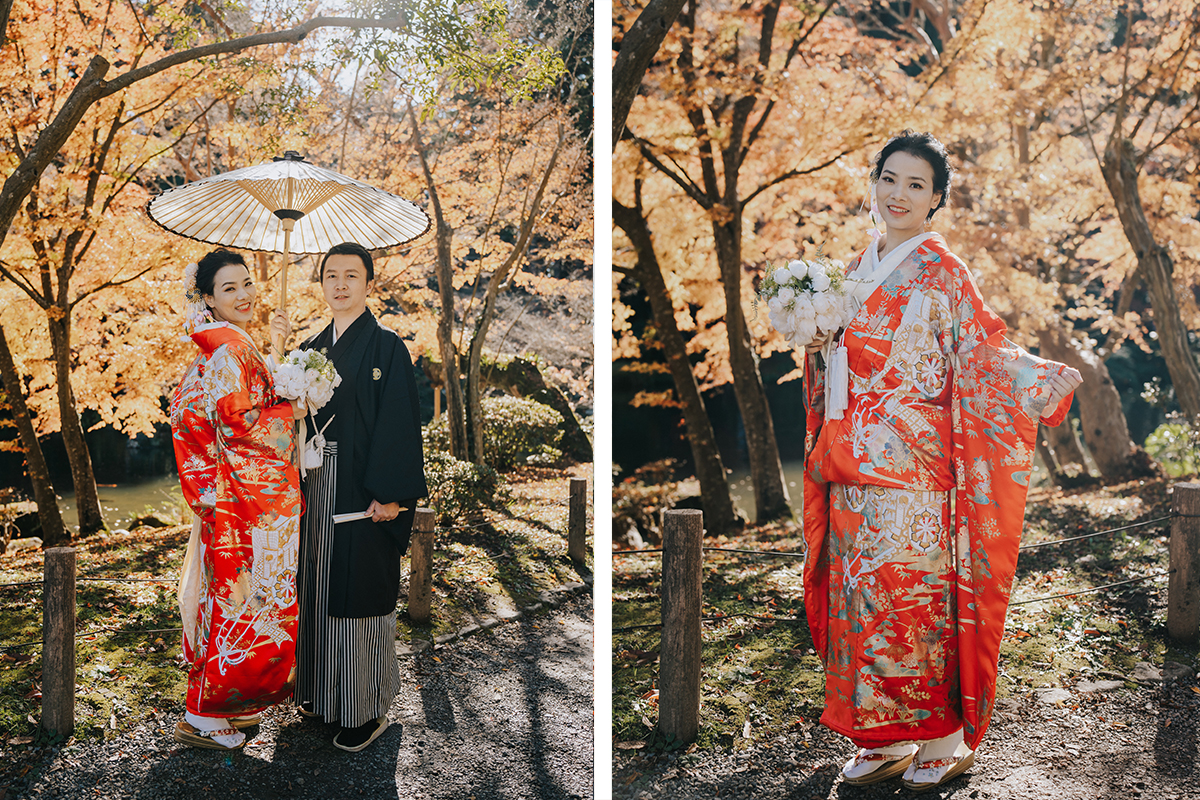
column 100, row 137
column 1073, row 127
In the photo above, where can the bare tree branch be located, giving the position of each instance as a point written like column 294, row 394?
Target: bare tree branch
column 680, row 177
column 793, row 173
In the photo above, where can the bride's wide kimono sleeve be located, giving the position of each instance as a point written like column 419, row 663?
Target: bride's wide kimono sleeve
column 999, row 394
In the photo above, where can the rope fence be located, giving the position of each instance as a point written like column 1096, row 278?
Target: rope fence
column 59, row 599
column 1022, row 547
column 1033, row 545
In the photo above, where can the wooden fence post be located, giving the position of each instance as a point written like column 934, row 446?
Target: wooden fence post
column 58, row 641
column 1183, row 584
column 420, row 567
column 679, row 651
column 577, row 521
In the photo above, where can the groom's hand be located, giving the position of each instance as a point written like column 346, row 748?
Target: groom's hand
column 383, row 512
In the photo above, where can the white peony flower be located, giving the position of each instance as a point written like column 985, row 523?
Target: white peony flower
column 807, row 329
column 775, row 304
column 804, row 303
column 782, row 275
column 799, row 269
column 786, row 295
column 822, row 304
column 820, row 281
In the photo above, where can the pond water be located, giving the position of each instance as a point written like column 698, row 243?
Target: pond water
column 122, row 503
column 741, row 490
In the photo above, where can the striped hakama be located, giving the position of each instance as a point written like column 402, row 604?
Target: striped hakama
column 346, row 667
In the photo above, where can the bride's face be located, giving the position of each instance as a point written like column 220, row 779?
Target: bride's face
column 233, row 295
column 905, row 194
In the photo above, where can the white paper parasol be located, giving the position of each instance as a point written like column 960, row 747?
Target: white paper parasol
column 287, row 205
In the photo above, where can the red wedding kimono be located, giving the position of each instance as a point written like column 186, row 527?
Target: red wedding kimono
column 235, row 447
column 905, row 608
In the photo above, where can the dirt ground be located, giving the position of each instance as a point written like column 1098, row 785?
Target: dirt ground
column 1094, row 700
column 1136, row 741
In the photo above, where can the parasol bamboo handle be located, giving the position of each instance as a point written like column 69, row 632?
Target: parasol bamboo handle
column 288, row 225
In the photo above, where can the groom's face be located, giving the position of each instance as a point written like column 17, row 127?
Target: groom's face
column 344, row 282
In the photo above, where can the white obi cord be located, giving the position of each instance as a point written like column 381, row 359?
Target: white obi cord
column 837, row 367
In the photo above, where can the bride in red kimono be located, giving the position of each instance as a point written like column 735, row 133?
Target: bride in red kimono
column 914, row 494
column 235, row 448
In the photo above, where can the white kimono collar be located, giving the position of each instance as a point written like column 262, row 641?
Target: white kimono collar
column 878, row 270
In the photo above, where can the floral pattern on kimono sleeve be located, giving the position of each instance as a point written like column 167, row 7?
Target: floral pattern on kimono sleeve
column 194, row 442
column 999, row 393
column 230, row 391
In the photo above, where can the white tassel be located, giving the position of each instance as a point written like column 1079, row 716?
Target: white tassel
column 837, row 383
column 313, row 453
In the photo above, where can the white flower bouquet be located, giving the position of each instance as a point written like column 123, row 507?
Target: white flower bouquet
column 807, row 299
column 307, row 376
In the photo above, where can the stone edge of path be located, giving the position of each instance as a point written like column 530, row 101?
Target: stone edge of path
column 551, row 598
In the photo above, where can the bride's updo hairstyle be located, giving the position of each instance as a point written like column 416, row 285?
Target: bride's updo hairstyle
column 208, row 267
column 927, row 148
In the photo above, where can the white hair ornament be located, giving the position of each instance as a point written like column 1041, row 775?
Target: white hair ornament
column 195, row 311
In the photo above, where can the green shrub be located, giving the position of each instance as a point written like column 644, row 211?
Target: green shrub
column 1173, row 444
column 516, row 432
column 459, row 488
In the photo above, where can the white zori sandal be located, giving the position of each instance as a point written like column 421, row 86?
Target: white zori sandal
column 939, row 762
column 209, row 733
column 878, row 764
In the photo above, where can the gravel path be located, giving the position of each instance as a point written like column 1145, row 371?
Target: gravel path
column 1121, row 744
column 504, row 714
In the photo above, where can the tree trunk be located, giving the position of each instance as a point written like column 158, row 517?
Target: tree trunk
column 87, row 503
column 638, row 47
column 766, row 471
column 54, row 533
column 719, row 514
column 451, row 371
column 1156, row 267
column 1057, row 474
column 486, row 314
column 1065, row 445
column 1101, row 417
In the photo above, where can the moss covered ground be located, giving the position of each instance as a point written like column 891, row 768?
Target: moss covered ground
column 761, row 678
column 128, row 655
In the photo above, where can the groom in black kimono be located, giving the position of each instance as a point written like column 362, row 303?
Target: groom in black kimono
column 373, row 466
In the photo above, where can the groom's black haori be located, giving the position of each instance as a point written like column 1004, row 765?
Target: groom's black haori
column 377, row 425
